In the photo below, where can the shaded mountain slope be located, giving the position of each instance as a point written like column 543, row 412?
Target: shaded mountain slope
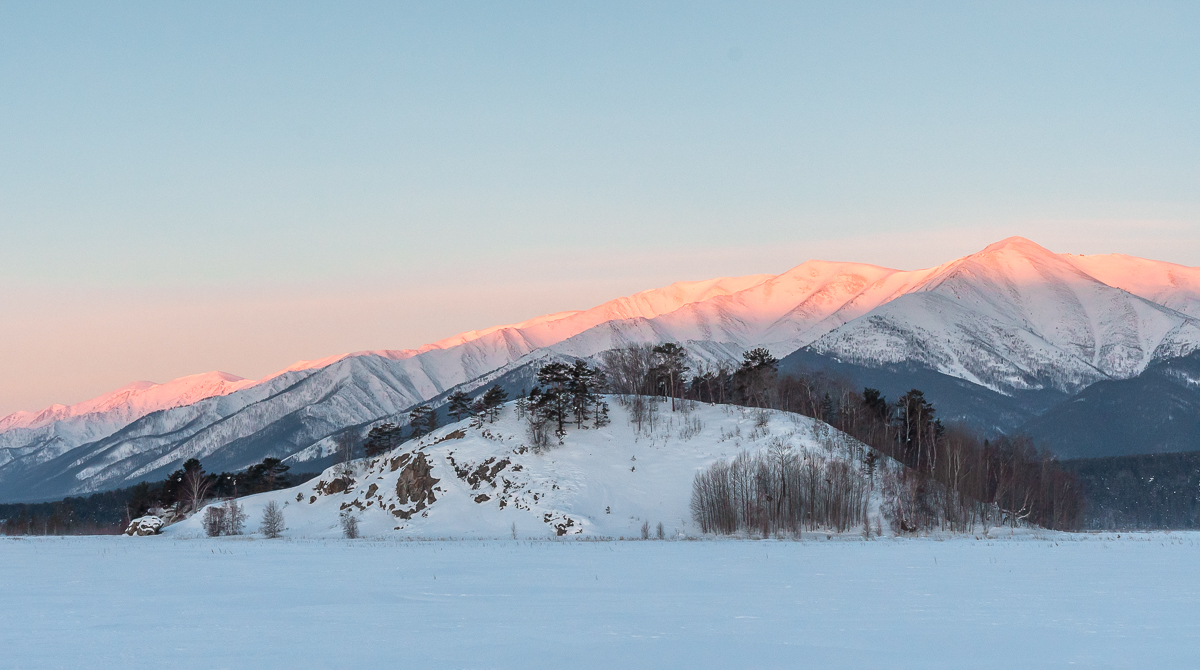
column 1157, row 411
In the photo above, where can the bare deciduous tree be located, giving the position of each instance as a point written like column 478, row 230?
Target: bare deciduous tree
column 194, row 488
column 778, row 492
column 346, row 442
column 235, row 517
column 272, row 521
column 214, row 521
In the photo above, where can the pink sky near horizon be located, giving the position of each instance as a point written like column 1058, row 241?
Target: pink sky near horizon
column 65, row 346
column 188, row 187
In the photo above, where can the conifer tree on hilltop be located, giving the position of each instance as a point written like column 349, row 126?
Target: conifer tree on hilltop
column 492, row 399
column 917, row 427
column 566, row 391
column 554, row 401
column 422, row 420
column 268, row 475
column 459, row 406
column 754, row 378
column 671, row 369
column 584, row 389
column 382, row 438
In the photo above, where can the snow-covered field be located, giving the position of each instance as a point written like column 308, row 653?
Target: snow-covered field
column 1038, row 600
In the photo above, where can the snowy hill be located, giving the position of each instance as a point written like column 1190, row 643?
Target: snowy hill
column 464, row 481
column 1012, row 318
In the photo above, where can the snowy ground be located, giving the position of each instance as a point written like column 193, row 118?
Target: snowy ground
column 1050, row 600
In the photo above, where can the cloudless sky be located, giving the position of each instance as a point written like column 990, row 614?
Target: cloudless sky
column 196, row 186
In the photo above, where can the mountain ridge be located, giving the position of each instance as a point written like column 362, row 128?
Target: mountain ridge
column 1012, row 318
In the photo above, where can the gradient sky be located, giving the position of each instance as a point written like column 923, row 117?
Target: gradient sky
column 195, row 186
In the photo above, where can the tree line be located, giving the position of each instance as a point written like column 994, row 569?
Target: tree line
column 423, row 420
column 565, row 395
column 110, row 512
column 1140, row 492
column 953, row 479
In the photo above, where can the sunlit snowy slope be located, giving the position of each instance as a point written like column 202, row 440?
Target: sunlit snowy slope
column 1016, row 316
column 59, row 428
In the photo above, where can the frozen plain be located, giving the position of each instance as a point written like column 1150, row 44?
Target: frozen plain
column 1036, row 601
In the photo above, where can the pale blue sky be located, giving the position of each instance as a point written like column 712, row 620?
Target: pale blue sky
column 199, row 186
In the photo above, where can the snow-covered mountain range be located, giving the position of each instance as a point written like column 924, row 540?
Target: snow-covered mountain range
column 1013, row 317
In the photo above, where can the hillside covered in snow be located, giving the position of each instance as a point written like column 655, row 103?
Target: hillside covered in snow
column 478, row 479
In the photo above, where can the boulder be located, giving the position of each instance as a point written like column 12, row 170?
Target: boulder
column 145, row 525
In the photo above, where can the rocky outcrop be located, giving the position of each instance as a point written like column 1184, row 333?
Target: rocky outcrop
column 415, row 486
column 484, row 472
column 338, row 485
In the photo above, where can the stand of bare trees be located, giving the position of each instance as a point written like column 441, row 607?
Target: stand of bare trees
column 779, row 492
column 226, row 519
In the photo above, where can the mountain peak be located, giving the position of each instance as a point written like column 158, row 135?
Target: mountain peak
column 1018, row 244
column 135, row 399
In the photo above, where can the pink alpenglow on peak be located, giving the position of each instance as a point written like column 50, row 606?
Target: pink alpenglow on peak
column 1175, row 286
column 551, row 329
column 136, row 399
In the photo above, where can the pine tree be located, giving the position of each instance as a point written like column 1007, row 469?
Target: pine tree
column 422, row 420
column 554, row 401
column 581, row 388
column 459, row 406
column 273, row 471
column 671, row 369
column 755, row 376
column 600, row 413
column 551, row 405
column 492, row 400
column 382, row 438
column 522, row 405
column 554, row 375
column 914, row 418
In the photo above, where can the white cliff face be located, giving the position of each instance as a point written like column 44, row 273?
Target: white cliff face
column 1013, row 316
